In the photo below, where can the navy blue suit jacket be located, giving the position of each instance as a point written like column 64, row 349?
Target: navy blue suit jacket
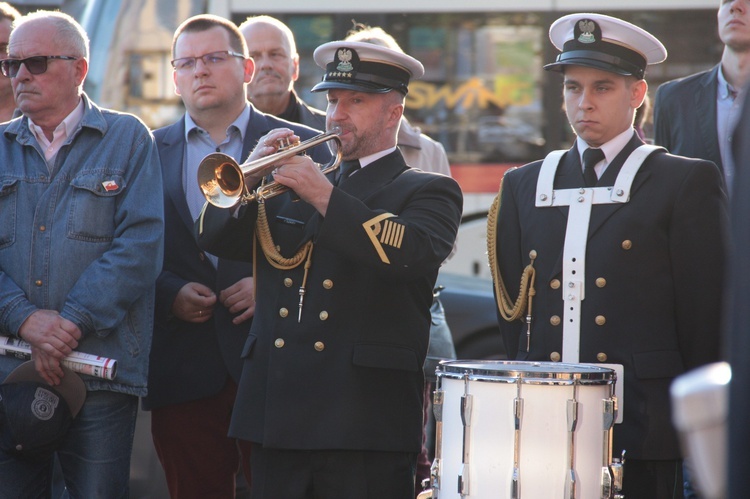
column 191, row 361
column 685, row 117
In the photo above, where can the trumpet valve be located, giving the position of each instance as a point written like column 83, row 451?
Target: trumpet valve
column 286, row 143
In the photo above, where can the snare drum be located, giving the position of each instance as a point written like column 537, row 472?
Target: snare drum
column 524, row 430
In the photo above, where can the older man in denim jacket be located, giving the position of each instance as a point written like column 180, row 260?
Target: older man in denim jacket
column 81, row 235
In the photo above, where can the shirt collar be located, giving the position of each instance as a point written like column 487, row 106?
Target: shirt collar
column 374, row 157
column 240, row 123
column 66, row 126
column 610, row 149
column 725, row 89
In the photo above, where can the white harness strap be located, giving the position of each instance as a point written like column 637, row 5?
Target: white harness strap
column 580, row 200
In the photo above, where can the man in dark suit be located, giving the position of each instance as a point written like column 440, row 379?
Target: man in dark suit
column 204, row 304
column 271, row 45
column 738, row 311
column 694, row 116
column 650, row 257
column 331, row 387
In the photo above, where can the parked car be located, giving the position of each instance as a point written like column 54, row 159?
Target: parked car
column 470, row 311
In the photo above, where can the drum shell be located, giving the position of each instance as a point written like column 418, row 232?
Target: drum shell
column 545, row 389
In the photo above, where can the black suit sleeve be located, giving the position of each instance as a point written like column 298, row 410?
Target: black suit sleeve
column 227, row 233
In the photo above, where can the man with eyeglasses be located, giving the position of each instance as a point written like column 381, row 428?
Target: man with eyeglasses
column 204, row 304
column 8, row 14
column 81, row 236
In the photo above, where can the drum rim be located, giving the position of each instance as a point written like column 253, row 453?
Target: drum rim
column 526, row 372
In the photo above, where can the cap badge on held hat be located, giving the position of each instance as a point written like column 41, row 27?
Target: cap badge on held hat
column 34, row 416
column 44, row 404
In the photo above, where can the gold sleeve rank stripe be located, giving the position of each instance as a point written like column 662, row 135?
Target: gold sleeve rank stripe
column 391, row 233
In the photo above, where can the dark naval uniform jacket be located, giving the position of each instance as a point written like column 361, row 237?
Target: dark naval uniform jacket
column 348, row 374
column 190, row 361
column 653, row 281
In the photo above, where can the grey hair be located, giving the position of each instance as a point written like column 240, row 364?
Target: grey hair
column 70, row 34
column 276, row 23
column 374, row 35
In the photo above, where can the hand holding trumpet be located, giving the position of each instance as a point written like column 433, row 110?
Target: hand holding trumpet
column 268, row 145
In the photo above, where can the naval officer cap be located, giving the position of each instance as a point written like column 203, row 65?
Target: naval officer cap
column 365, row 67
column 604, row 42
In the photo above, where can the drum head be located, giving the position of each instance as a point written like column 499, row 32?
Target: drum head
column 510, row 371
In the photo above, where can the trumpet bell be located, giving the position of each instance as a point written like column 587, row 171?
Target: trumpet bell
column 221, row 180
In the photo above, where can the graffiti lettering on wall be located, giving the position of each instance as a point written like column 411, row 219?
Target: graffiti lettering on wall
column 473, row 93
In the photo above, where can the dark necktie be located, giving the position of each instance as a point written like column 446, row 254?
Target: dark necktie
column 347, row 168
column 590, row 158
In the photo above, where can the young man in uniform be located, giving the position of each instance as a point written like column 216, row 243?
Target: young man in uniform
column 630, row 275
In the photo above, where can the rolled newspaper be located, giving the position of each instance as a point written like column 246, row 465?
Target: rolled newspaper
column 79, row 362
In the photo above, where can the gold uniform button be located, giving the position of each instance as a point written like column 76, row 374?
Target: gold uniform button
column 288, row 282
column 283, row 312
column 555, row 320
column 555, row 357
column 627, row 244
column 601, row 357
column 42, row 228
column 319, row 346
column 279, row 343
column 323, row 315
column 328, row 284
column 601, row 282
column 554, row 284
column 600, row 320
column 38, row 282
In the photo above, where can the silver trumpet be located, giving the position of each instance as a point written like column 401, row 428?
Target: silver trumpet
column 223, row 181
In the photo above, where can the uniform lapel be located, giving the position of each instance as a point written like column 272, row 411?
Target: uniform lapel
column 375, row 176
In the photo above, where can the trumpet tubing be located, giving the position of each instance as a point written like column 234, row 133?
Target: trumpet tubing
column 224, row 182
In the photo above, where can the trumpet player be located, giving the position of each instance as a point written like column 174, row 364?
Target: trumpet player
column 204, row 304
column 331, row 391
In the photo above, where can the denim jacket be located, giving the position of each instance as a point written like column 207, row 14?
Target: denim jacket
column 86, row 241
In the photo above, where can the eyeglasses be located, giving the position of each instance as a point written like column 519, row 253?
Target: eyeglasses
column 212, row 59
column 36, row 64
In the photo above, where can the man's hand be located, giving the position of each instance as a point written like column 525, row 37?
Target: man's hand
column 194, row 303
column 52, row 338
column 302, row 175
column 239, row 297
column 267, row 145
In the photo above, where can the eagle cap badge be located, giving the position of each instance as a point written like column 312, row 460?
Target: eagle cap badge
column 344, row 56
column 587, row 28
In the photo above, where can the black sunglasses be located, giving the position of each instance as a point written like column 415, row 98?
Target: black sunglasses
column 36, row 64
